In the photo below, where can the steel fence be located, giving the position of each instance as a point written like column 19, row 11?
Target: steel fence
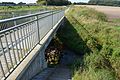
column 19, row 35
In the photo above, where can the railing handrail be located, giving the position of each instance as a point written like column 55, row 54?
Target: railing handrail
column 22, row 17
column 26, row 16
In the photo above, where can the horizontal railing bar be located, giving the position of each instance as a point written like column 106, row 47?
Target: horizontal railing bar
column 10, row 45
column 21, row 17
column 19, row 25
column 26, row 16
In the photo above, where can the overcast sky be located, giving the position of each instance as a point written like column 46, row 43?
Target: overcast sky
column 33, row 1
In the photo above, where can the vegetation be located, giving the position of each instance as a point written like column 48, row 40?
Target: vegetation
column 8, row 11
column 105, row 2
column 25, row 8
column 19, row 8
column 97, row 40
column 54, row 2
column 42, row 2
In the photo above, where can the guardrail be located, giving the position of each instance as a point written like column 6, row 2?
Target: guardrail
column 11, row 14
column 19, row 36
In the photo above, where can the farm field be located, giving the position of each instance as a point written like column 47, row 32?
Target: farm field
column 110, row 11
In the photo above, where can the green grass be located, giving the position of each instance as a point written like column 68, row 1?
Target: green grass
column 92, row 74
column 25, row 8
column 88, row 33
column 5, row 11
column 19, row 8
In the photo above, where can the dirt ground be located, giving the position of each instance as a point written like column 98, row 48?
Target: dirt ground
column 111, row 12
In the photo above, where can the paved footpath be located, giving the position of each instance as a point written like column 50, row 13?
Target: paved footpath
column 61, row 73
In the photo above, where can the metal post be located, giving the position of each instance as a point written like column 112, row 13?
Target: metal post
column 8, row 49
column 1, row 45
column 38, row 28
column 52, row 20
column 16, row 45
column 13, row 48
column 15, row 23
column 46, row 3
column 2, row 70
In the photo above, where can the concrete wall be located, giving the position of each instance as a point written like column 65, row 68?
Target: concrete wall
column 37, row 64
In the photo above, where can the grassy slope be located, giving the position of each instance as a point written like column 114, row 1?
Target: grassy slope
column 90, row 34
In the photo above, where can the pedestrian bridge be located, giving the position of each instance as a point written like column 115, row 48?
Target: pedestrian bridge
column 23, row 41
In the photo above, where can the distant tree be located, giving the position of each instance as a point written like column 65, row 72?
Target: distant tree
column 54, row 2
column 105, row 2
column 8, row 4
column 41, row 2
column 21, row 3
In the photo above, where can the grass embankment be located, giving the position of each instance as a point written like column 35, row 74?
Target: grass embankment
column 89, row 34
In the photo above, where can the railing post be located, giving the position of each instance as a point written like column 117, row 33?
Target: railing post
column 52, row 20
column 38, row 27
column 2, row 70
column 13, row 15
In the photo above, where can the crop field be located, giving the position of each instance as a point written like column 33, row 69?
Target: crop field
column 110, row 11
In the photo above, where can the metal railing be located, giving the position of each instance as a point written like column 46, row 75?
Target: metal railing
column 19, row 36
column 11, row 14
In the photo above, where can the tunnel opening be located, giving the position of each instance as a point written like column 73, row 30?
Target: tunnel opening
column 54, row 52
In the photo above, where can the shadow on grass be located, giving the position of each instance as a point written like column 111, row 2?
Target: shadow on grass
column 71, row 39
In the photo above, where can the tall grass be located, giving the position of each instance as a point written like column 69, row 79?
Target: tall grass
column 89, row 34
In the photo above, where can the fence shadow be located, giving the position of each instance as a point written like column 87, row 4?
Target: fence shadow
column 71, row 39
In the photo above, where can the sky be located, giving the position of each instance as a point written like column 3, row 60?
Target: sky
column 33, row 1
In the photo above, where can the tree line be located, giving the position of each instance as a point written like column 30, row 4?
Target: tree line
column 105, row 2
column 101, row 2
column 54, row 2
